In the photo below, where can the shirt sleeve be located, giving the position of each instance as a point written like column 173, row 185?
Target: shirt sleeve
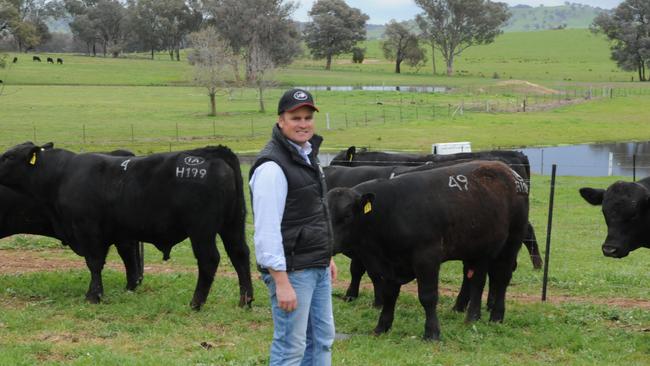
column 269, row 189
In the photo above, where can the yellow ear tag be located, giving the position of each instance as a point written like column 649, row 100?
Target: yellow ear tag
column 351, row 157
column 32, row 161
column 367, row 208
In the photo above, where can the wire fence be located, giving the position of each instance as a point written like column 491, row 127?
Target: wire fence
column 360, row 110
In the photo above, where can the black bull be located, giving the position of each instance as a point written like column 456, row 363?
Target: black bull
column 23, row 214
column 404, row 228
column 160, row 199
column 626, row 208
column 387, row 165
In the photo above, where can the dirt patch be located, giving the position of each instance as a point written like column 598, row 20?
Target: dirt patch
column 29, row 261
column 523, row 86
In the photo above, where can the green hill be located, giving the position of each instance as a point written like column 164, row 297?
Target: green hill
column 526, row 18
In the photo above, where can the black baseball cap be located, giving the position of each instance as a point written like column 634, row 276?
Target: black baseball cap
column 294, row 99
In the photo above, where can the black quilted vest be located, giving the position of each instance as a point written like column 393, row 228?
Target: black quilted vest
column 305, row 227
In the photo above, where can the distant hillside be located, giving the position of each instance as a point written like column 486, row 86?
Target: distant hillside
column 527, row 18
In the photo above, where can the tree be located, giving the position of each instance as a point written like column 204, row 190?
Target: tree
column 211, row 57
column 146, row 23
column 257, row 23
column 335, row 28
column 82, row 27
column 455, row 25
column 358, row 54
column 402, row 45
column 25, row 21
column 178, row 19
column 628, row 28
column 109, row 20
column 261, row 65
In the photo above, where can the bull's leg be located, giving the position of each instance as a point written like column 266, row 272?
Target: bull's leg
column 427, row 276
column 130, row 254
column 95, row 260
column 357, row 269
column 463, row 295
column 530, row 241
column 239, row 254
column 476, row 275
column 207, row 258
column 390, row 294
column 500, row 276
column 378, row 286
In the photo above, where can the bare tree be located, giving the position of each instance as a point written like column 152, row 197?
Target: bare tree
column 212, row 58
column 262, row 66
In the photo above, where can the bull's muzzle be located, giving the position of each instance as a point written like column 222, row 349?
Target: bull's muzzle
column 614, row 252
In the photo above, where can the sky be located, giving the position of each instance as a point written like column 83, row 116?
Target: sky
column 382, row 11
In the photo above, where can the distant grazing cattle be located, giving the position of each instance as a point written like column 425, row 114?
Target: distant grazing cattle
column 36, row 58
column 160, row 199
column 404, row 228
column 342, row 176
column 50, row 60
column 59, row 61
column 15, row 60
column 23, row 214
column 626, row 207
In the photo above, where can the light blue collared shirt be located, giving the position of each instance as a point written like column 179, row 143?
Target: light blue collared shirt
column 269, row 188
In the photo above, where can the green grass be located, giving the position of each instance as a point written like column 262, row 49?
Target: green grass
column 44, row 318
column 145, row 119
column 548, row 57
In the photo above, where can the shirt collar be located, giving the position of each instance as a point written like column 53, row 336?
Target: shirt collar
column 304, row 151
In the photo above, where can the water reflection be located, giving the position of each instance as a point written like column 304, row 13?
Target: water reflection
column 592, row 159
column 380, row 88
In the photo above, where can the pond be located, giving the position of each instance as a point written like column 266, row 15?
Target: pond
column 592, row 159
column 380, row 88
column 583, row 160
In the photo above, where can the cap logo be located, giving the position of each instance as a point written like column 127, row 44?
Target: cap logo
column 300, row 95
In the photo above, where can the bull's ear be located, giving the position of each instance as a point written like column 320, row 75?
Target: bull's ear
column 592, row 195
column 33, row 155
column 366, row 203
column 47, row 146
column 349, row 155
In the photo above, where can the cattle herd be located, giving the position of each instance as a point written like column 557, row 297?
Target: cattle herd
column 397, row 216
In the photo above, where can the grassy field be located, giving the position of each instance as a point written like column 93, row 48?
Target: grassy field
column 599, row 308
column 154, row 119
column 549, row 57
column 598, row 311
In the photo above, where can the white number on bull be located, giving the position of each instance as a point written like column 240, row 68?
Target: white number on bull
column 125, row 164
column 459, row 181
column 187, row 172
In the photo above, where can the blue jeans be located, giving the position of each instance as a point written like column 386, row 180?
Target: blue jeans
column 305, row 335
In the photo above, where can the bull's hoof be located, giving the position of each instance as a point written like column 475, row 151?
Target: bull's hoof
column 348, row 297
column 459, row 308
column 496, row 318
column 470, row 318
column 431, row 337
column 196, row 306
column 245, row 300
column 93, row 299
column 131, row 286
column 380, row 330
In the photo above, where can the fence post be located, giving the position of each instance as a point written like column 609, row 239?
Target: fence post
column 132, row 134
column 214, row 128
column 327, row 117
column 366, row 114
column 633, row 167
column 610, row 166
column 252, row 128
column 346, row 119
column 34, row 133
column 177, row 135
column 542, row 169
column 383, row 112
column 400, row 109
column 83, row 133
column 547, row 254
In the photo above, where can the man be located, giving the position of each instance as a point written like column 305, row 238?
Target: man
column 293, row 238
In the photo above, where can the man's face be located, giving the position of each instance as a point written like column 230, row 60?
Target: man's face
column 298, row 126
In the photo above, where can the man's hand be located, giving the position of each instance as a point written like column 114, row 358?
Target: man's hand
column 333, row 269
column 285, row 293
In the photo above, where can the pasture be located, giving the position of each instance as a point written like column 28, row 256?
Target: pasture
column 598, row 311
